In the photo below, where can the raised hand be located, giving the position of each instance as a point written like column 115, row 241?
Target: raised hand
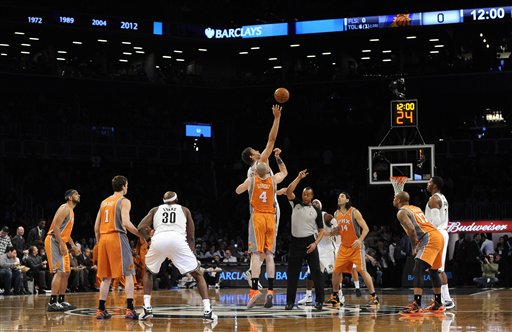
column 276, row 109
column 303, row 174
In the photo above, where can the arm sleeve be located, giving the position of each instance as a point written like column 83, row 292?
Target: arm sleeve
column 436, row 217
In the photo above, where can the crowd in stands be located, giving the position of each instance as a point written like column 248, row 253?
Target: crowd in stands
column 477, row 260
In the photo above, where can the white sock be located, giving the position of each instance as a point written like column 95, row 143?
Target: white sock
column 445, row 293
column 206, row 305
column 356, row 283
column 147, row 301
column 309, row 292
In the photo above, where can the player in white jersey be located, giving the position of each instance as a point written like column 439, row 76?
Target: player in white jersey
column 173, row 239
column 436, row 212
column 326, row 251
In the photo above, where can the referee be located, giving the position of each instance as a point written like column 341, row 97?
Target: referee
column 306, row 222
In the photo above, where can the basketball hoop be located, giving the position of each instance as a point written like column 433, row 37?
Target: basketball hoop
column 398, row 183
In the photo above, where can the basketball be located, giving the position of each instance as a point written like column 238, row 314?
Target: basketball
column 281, row 95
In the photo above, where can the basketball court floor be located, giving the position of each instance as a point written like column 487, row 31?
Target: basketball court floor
column 180, row 310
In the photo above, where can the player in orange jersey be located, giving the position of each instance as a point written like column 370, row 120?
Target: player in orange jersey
column 114, row 253
column 57, row 251
column 252, row 157
column 353, row 230
column 262, row 227
column 428, row 245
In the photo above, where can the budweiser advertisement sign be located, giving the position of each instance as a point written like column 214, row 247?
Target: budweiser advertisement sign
column 480, row 226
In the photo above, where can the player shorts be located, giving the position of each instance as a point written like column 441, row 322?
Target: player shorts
column 347, row 257
column 430, row 249
column 446, row 239
column 262, row 232
column 56, row 262
column 327, row 255
column 115, row 257
column 174, row 246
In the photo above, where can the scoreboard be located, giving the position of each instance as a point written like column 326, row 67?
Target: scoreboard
column 334, row 25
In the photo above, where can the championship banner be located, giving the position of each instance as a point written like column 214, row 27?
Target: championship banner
column 480, row 226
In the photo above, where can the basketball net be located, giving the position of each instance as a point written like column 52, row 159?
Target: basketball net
column 398, row 183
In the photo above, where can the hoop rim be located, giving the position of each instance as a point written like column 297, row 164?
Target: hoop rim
column 398, row 179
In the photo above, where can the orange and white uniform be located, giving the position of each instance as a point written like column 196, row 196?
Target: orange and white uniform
column 350, row 231
column 430, row 240
column 114, row 253
column 56, row 261
column 262, row 224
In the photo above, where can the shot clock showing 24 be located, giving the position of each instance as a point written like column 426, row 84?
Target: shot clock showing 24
column 404, row 113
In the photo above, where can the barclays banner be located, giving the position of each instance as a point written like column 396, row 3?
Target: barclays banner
column 248, row 31
column 234, row 276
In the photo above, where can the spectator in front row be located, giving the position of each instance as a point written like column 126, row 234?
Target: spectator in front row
column 85, row 259
column 212, row 273
column 37, row 269
column 10, row 276
column 229, row 258
column 489, row 271
column 5, row 240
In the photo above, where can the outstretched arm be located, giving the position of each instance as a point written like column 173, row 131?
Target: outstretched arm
column 244, row 186
column 293, row 185
column 272, row 136
column 280, row 162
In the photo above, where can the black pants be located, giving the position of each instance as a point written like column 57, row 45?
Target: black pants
column 298, row 248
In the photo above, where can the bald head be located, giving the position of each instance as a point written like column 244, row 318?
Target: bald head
column 402, row 198
column 262, row 170
column 170, row 197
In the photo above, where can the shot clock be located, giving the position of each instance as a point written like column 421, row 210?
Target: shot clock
column 404, row 113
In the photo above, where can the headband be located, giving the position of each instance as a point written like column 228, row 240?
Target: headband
column 172, row 199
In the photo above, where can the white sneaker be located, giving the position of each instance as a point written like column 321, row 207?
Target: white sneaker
column 341, row 297
column 147, row 313
column 307, row 300
column 449, row 304
column 209, row 316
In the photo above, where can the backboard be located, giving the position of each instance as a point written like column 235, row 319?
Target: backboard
column 417, row 162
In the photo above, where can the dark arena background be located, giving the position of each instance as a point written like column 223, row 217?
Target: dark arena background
column 169, row 93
